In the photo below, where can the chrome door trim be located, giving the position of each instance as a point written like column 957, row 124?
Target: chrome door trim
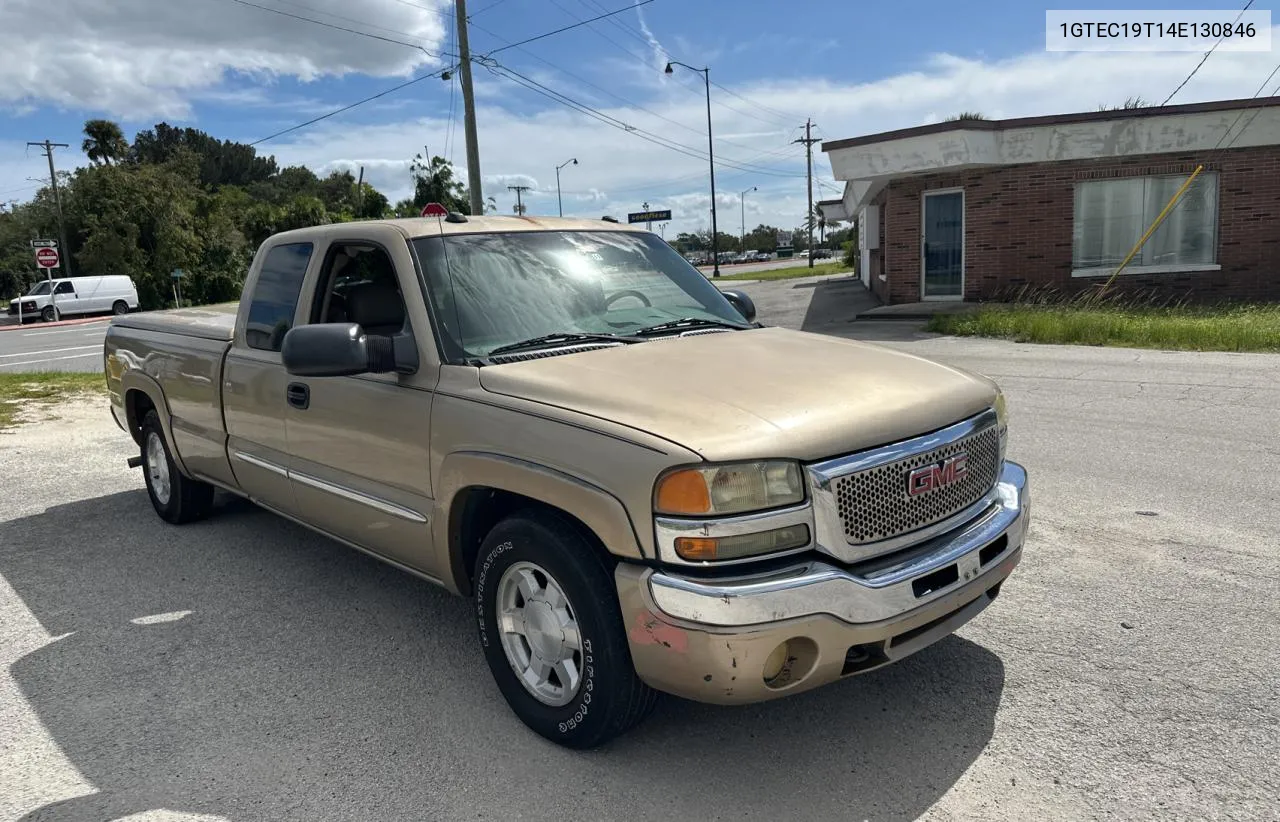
column 377, row 503
column 258, row 462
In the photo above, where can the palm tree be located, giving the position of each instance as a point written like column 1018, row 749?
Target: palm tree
column 104, row 141
column 820, row 221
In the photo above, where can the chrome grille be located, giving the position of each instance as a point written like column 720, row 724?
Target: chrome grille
column 874, row 504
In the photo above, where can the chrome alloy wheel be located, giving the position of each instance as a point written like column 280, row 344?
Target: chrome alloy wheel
column 539, row 633
column 158, row 468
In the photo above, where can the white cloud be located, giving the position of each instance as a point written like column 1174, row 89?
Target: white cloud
column 135, row 59
column 522, row 142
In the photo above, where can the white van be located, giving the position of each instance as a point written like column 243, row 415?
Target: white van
column 74, row 296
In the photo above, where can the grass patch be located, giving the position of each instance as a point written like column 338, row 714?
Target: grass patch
column 19, row 391
column 1183, row 328
column 818, row 270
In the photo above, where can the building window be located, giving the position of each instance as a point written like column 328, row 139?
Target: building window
column 1112, row 215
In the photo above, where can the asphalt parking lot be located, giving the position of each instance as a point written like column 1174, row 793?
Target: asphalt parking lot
column 243, row 668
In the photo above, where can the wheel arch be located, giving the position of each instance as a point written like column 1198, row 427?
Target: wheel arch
column 142, row 394
column 479, row 490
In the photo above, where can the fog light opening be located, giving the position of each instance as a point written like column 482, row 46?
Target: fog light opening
column 790, row 663
column 776, row 662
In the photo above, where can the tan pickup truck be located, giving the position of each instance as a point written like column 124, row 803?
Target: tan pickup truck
column 640, row 488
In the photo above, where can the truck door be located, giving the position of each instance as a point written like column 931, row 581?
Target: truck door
column 254, row 384
column 361, row 444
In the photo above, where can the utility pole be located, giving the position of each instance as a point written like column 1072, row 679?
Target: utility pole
column 57, row 201
column 519, row 204
column 469, row 110
column 360, row 192
column 808, row 141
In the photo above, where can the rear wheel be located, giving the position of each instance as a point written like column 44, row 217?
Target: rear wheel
column 553, row 635
column 119, row 307
column 49, row 314
column 177, row 499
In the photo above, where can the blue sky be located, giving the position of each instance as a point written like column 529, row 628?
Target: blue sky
column 243, row 73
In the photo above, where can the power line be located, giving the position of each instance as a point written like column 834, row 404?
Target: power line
column 492, row 5
column 453, row 88
column 368, row 99
column 610, row 120
column 559, row 30
column 339, row 28
column 608, row 93
column 781, row 116
column 348, row 19
column 1206, row 55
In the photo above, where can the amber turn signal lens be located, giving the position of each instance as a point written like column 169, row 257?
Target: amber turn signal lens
column 709, row 549
column 684, row 492
column 697, row 549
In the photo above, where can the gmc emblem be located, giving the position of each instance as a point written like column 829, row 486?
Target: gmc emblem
column 939, row 475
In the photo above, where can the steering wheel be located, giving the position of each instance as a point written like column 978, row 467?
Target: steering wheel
column 617, row 295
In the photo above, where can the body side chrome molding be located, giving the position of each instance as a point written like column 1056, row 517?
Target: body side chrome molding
column 377, row 503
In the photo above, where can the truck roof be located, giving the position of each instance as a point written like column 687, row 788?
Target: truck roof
column 434, row 227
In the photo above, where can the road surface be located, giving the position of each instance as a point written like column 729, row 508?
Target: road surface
column 40, row 347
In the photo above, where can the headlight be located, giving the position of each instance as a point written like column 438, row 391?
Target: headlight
column 729, row 489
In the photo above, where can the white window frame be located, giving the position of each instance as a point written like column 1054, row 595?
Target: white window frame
column 1135, row 266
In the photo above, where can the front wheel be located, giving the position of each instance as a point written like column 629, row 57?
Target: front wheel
column 177, row 499
column 49, row 314
column 553, row 635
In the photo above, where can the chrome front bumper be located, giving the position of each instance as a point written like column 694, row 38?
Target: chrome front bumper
column 871, row 591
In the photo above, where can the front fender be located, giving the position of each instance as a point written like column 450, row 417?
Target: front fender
column 597, row 508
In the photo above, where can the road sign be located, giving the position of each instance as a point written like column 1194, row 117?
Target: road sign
column 44, row 243
column 177, row 273
column 47, row 257
column 434, row 210
column 649, row 216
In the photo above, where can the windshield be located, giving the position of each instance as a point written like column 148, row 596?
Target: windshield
column 38, row 289
column 502, row 288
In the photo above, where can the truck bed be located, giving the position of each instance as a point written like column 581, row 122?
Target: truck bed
column 175, row 358
column 210, row 322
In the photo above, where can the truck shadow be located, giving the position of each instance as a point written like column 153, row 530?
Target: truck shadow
column 245, row 668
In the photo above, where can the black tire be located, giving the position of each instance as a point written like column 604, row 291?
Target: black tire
column 49, row 314
column 186, row 500
column 119, row 307
column 610, row 698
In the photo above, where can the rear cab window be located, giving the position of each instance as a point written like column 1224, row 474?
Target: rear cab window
column 275, row 296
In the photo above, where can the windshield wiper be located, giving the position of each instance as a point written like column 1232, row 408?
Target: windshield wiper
column 559, row 337
column 687, row 322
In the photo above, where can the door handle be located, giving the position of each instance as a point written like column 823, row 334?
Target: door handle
column 299, row 395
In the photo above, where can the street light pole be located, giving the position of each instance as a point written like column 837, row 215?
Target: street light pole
column 742, row 205
column 573, row 160
column 715, row 245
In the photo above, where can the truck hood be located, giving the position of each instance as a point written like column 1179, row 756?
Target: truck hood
column 767, row 392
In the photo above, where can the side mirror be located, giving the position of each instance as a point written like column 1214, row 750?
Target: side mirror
column 743, row 303
column 336, row 350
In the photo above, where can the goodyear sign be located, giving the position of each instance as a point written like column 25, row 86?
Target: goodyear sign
column 649, row 216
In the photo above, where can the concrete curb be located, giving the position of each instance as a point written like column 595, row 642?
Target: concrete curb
column 7, row 324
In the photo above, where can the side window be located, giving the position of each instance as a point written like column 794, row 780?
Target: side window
column 65, row 288
column 359, row 285
column 275, row 297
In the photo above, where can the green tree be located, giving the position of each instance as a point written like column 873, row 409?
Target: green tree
column 104, row 142
column 434, row 182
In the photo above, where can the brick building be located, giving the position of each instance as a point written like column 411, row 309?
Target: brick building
column 978, row 209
